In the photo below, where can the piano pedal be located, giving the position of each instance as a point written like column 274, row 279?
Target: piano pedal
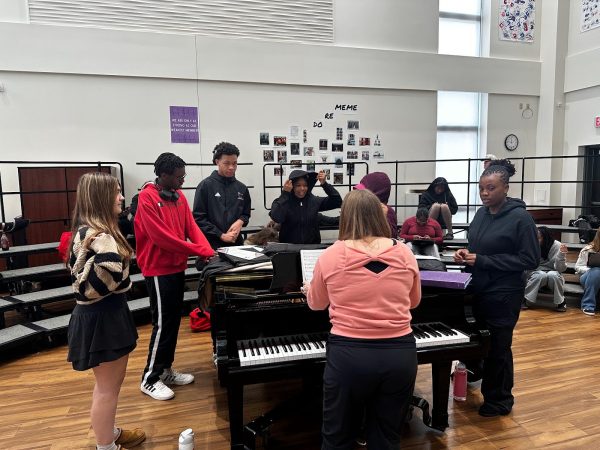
column 257, row 433
column 423, row 405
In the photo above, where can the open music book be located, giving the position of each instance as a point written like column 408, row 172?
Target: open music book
column 308, row 259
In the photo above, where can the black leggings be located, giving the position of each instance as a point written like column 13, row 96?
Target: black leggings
column 372, row 376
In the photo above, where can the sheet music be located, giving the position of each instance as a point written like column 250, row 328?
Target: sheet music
column 247, row 252
column 308, row 259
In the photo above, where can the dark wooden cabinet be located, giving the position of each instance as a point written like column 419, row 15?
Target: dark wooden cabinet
column 47, row 200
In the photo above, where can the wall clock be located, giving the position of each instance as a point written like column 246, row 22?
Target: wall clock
column 511, row 142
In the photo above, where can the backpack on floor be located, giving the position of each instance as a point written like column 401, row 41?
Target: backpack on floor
column 199, row 320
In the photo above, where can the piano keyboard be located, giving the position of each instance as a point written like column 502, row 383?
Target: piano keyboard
column 271, row 350
column 277, row 349
column 435, row 334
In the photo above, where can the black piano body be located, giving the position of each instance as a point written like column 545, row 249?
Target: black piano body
column 245, row 311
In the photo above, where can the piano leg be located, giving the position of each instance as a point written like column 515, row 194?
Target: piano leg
column 235, row 401
column 440, row 375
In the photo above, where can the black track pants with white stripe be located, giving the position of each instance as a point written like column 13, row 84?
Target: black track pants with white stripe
column 166, row 301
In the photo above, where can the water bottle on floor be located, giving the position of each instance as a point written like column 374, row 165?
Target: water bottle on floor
column 460, row 382
column 186, row 440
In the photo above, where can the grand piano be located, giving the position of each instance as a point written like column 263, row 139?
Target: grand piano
column 262, row 336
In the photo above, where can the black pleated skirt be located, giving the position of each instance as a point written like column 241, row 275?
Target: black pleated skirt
column 101, row 332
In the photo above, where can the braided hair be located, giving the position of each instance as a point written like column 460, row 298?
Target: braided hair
column 167, row 163
column 503, row 167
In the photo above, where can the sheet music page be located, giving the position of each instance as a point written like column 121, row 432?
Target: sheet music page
column 247, row 252
column 308, row 259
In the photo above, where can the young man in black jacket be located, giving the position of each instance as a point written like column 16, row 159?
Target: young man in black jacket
column 222, row 203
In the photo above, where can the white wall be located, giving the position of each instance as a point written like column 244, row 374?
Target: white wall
column 90, row 118
column 582, row 65
column 387, row 24
column 95, row 94
column 581, row 107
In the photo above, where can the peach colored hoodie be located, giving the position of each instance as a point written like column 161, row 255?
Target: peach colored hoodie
column 363, row 304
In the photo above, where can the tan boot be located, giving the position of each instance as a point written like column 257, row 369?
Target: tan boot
column 131, row 438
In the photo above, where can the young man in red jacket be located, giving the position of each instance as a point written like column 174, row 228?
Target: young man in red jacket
column 166, row 234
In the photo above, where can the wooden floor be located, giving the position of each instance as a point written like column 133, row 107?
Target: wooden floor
column 44, row 403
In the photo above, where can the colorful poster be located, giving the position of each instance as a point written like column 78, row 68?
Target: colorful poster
column 590, row 15
column 516, row 20
column 184, row 125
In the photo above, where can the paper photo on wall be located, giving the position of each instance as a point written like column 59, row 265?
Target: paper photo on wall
column 322, row 144
column 516, row 20
column 351, row 139
column 296, row 164
column 295, row 148
column 590, row 14
column 350, row 169
column 352, row 154
column 268, row 155
column 339, row 134
column 339, row 162
column 377, row 141
column 338, row 178
column 337, row 147
column 353, row 125
column 264, row 138
column 378, row 154
column 364, row 141
column 365, row 155
column 279, row 171
column 279, row 141
column 309, row 151
column 281, row 156
column 310, row 165
column 294, row 130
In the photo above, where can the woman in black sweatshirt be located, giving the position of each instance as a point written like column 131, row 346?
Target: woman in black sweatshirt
column 502, row 245
column 297, row 209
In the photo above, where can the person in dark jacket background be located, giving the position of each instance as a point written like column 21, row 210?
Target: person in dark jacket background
column 222, row 203
column 380, row 185
column 297, row 209
column 503, row 245
column 440, row 202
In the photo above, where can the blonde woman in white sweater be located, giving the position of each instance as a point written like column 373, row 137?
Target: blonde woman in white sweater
column 589, row 277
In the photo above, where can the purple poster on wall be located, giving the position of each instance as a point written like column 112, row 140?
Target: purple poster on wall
column 184, row 125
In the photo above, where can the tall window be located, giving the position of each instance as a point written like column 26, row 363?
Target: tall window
column 459, row 113
column 460, row 27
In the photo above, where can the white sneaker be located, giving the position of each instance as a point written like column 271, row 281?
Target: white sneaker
column 157, row 391
column 171, row 376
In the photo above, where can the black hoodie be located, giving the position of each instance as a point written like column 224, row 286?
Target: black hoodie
column 298, row 217
column 506, row 245
column 429, row 197
column 220, row 201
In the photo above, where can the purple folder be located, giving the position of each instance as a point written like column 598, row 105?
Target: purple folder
column 450, row 280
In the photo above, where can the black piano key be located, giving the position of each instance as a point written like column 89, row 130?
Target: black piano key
column 268, row 347
column 288, row 345
column 275, row 345
column 451, row 332
column 437, row 329
column 251, row 348
column 432, row 331
column 242, row 348
column 296, row 344
column 308, row 342
column 301, row 342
